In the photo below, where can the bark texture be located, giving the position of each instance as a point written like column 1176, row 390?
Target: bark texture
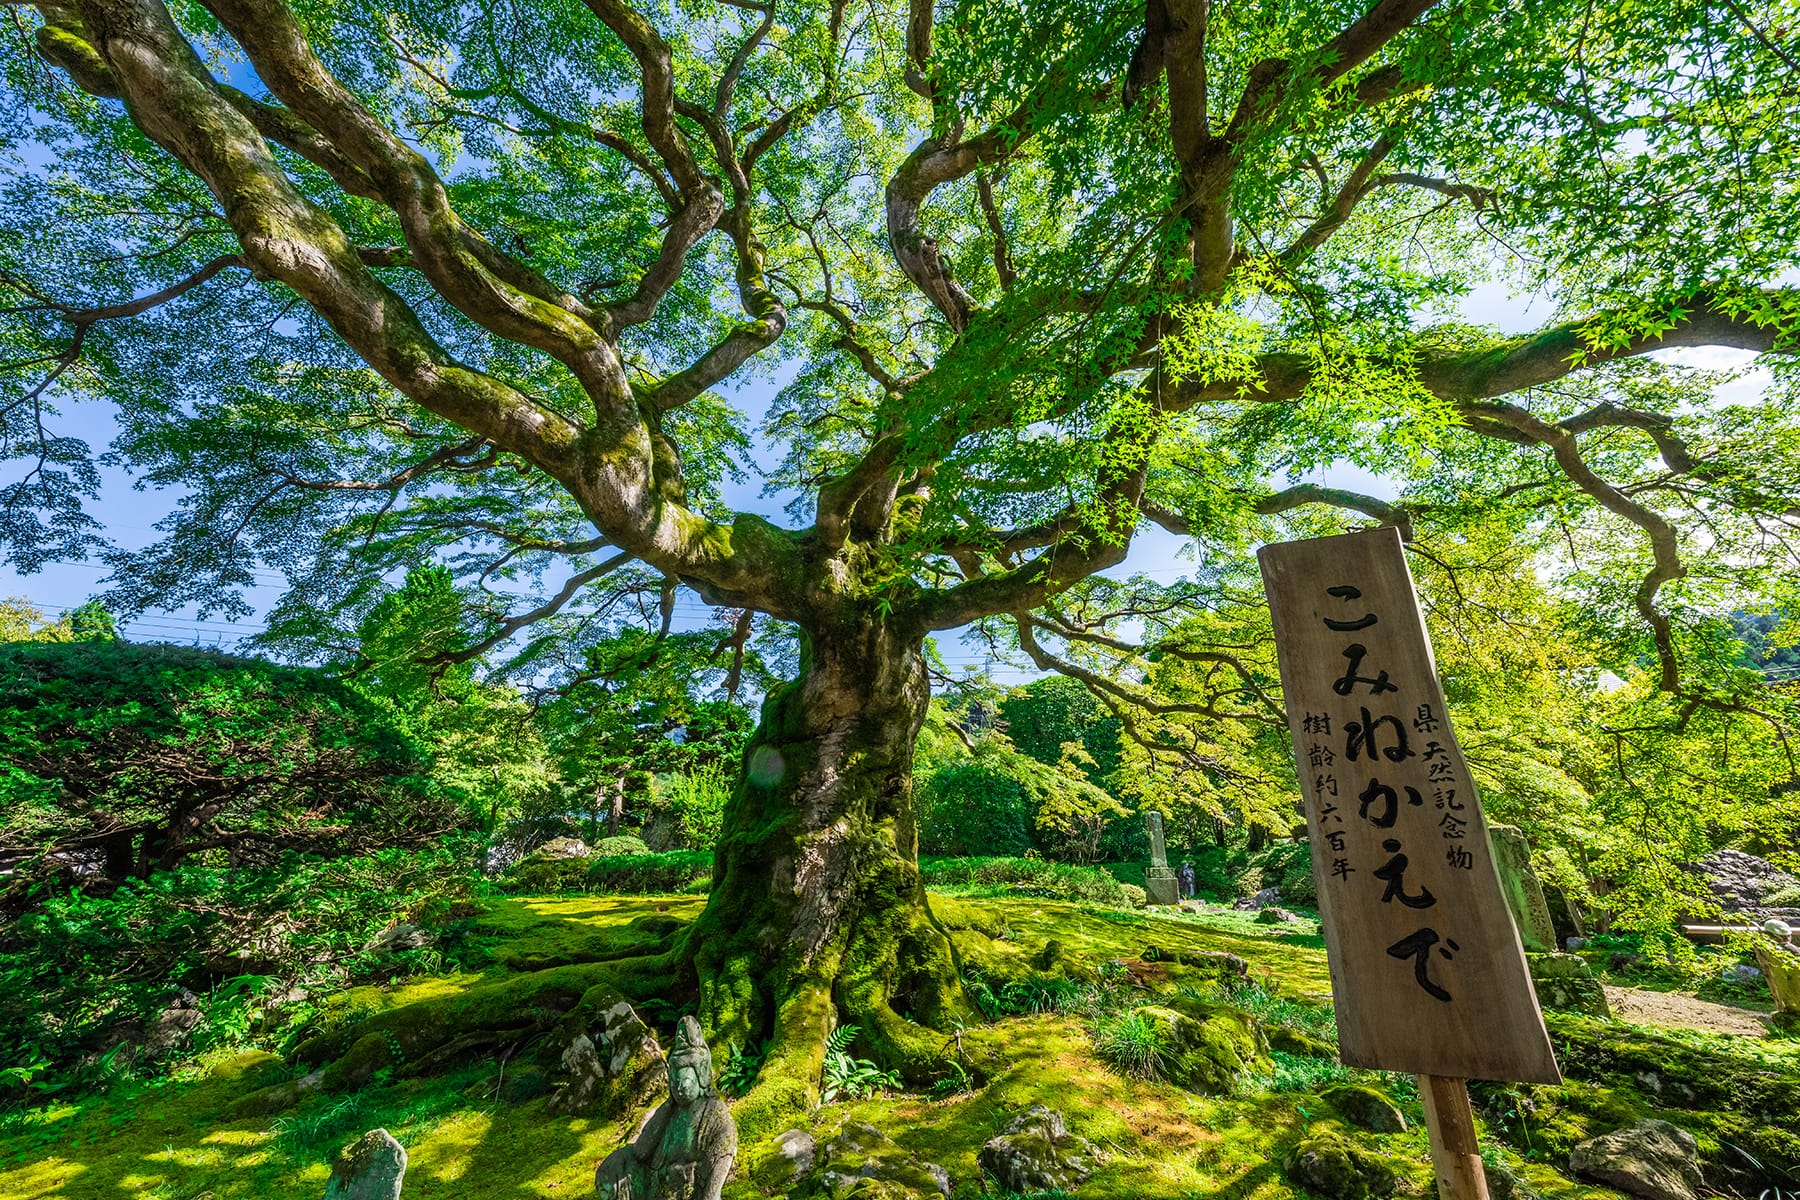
column 817, row 905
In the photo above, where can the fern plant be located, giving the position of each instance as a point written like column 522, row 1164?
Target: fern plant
column 740, row 1070
column 847, row 1077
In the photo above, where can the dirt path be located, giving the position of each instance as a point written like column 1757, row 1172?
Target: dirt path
column 1682, row 1012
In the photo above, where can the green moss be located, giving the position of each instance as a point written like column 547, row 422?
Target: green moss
column 531, row 933
column 1160, row 1141
column 1365, row 1107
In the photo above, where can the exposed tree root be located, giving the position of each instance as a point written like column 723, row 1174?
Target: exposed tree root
column 432, row 1034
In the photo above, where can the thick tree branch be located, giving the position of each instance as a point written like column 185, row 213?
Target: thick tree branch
column 489, row 287
column 1386, row 512
column 1664, row 542
column 768, row 320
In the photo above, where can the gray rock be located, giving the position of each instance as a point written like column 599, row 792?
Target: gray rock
column 562, row 847
column 1575, row 943
column 173, row 1026
column 608, row 1061
column 1036, row 1152
column 1652, row 1159
column 794, row 1156
column 1504, row 1183
column 1741, row 973
column 397, row 938
column 1260, row 900
column 1276, row 915
column 373, row 1167
column 1366, row 1107
column 1746, row 885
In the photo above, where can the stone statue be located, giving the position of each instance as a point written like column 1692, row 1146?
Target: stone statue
column 685, row 1150
column 1190, row 880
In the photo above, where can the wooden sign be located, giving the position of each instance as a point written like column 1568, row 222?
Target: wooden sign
column 1427, row 971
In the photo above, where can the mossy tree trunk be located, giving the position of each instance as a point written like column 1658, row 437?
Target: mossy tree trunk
column 817, row 906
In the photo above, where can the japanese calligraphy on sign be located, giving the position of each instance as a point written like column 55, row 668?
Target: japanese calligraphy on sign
column 1426, row 966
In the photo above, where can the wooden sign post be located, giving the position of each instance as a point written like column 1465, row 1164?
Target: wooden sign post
column 1427, row 971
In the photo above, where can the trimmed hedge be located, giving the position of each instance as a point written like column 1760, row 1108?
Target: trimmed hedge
column 1025, row 877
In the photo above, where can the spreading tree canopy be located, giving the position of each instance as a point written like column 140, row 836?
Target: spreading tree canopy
column 377, row 281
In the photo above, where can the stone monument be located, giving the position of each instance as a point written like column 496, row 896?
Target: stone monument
column 1159, row 878
column 685, row 1150
column 1519, row 884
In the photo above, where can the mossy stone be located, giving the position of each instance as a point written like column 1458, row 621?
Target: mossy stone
column 1366, row 1107
column 786, row 1162
column 253, row 1068
column 1207, row 1048
column 1037, row 1153
column 373, row 1167
column 863, row 1163
column 1218, row 963
column 605, row 1058
column 1652, row 1159
column 1293, row 1041
column 1566, row 982
column 1335, row 1167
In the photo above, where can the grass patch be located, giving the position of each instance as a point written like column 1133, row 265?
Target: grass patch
column 1130, row 1043
column 1296, row 1073
column 1259, row 998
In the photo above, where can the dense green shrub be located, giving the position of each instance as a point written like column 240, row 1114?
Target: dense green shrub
column 686, row 809
column 81, row 973
column 1288, row 865
column 671, row 871
column 123, row 760
column 1024, row 877
column 613, row 847
column 974, row 807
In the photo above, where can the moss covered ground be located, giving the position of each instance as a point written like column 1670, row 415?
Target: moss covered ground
column 467, row 1135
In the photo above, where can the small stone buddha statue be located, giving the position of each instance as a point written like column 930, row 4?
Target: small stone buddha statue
column 685, row 1150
